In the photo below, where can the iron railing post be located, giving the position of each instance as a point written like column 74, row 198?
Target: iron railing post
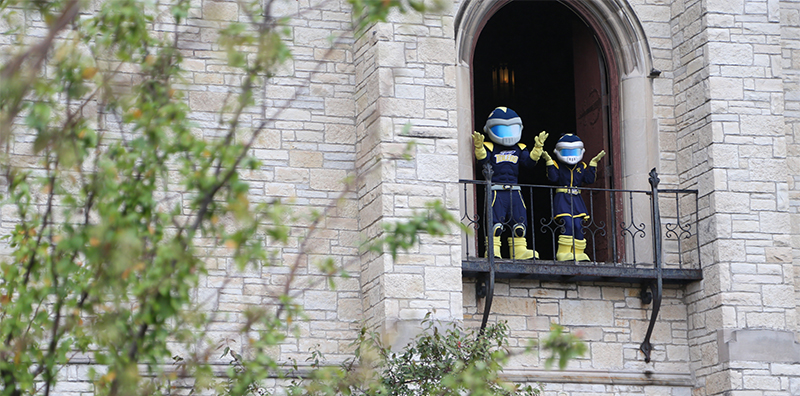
column 487, row 305
column 656, row 288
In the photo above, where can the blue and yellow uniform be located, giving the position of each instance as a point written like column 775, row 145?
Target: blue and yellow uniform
column 507, row 203
column 506, row 156
column 568, row 201
column 569, row 174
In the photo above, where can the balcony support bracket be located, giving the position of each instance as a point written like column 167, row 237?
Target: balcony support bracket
column 657, row 287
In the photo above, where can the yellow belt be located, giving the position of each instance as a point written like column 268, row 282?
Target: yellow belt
column 573, row 191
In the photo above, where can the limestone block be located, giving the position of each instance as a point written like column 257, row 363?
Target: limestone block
column 726, row 88
column 513, row 306
column 443, row 278
column 730, row 53
column 398, row 285
column 675, row 312
column 769, row 85
column 293, row 114
column 409, row 91
column 208, row 78
column 606, row 355
column 349, row 310
column 206, row 101
column 769, row 320
column 337, row 107
column 436, row 50
column 401, row 107
column 291, row 175
column 328, row 179
column 794, row 386
column 312, row 37
column 762, row 125
column 391, row 54
column 440, row 98
column 222, row 11
column 305, row 159
column 778, row 254
column 774, row 222
column 437, row 167
column 340, row 133
column 597, row 313
column 677, row 353
column 323, row 345
column 731, row 202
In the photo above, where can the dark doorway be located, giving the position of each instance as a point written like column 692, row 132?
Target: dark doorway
column 540, row 59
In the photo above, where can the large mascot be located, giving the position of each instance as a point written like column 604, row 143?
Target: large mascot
column 570, row 173
column 506, row 155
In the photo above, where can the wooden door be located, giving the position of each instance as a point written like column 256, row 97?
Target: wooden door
column 591, row 123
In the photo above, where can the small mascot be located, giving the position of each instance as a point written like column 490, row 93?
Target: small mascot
column 568, row 204
column 506, row 155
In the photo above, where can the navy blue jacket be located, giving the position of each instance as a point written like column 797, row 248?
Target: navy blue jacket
column 506, row 162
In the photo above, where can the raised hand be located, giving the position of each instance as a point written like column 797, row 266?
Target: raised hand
column 539, row 140
column 597, row 158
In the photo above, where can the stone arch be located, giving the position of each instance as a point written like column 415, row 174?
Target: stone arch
column 628, row 58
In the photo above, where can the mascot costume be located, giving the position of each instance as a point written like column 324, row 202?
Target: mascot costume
column 506, row 155
column 570, row 173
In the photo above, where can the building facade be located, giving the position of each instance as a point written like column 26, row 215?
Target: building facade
column 706, row 92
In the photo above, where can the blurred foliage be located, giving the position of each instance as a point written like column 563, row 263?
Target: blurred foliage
column 121, row 200
column 443, row 359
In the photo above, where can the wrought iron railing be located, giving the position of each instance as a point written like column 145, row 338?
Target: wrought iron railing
column 618, row 230
column 650, row 237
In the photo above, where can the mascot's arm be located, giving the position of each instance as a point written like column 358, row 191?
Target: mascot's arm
column 597, row 158
column 549, row 161
column 552, row 167
column 536, row 153
column 477, row 140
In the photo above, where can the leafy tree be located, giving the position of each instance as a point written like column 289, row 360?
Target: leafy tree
column 119, row 198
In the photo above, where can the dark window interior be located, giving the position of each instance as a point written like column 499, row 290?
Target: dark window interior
column 529, row 45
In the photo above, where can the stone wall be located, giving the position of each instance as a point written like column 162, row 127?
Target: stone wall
column 307, row 150
column 729, row 87
column 724, row 117
column 790, row 44
column 405, row 76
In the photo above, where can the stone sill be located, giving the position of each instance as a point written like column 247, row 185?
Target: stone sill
column 600, row 377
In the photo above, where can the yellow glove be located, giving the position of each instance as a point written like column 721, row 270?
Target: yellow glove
column 538, row 141
column 547, row 158
column 597, row 158
column 477, row 140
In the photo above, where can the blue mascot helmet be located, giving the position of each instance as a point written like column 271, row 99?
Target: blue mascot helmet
column 504, row 126
column 569, row 149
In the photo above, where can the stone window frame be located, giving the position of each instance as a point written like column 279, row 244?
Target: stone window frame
column 629, row 60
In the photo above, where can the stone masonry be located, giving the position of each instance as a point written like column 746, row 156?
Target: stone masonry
column 723, row 117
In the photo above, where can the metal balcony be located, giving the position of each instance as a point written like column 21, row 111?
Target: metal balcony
column 633, row 236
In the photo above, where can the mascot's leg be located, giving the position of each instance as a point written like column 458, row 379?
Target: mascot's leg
column 519, row 246
column 496, row 231
column 580, row 245
column 580, row 241
column 566, row 243
column 566, row 248
column 572, row 247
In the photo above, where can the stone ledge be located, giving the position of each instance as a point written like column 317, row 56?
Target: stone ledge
column 758, row 345
column 600, row 377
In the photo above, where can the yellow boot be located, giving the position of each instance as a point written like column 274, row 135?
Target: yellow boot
column 580, row 246
column 566, row 251
column 519, row 249
column 496, row 241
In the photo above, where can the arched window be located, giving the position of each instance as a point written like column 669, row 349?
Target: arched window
column 566, row 67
